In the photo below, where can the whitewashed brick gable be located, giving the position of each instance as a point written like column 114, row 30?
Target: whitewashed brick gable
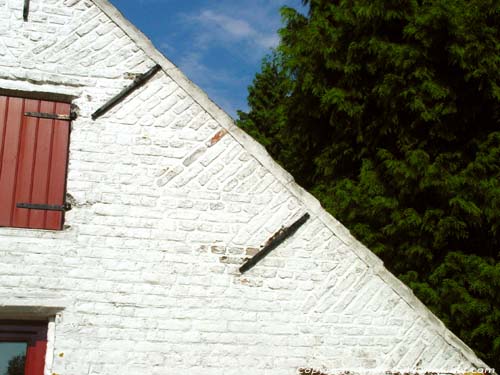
column 169, row 198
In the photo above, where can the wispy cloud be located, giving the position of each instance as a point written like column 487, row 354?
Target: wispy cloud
column 194, row 66
column 237, row 28
column 167, row 48
column 219, row 45
column 250, row 31
column 225, row 27
column 222, row 84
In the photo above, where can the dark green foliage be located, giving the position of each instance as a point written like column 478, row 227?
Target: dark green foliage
column 389, row 112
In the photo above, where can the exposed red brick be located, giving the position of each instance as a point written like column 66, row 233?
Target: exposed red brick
column 217, row 137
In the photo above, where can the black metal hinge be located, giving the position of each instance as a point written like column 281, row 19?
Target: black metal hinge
column 138, row 82
column 45, row 207
column 51, row 116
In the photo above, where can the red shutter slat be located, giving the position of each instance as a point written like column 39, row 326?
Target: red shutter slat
column 33, row 162
column 42, row 165
column 59, row 161
column 25, row 169
column 9, row 159
column 3, row 125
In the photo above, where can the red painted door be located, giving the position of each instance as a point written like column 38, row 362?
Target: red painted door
column 33, row 162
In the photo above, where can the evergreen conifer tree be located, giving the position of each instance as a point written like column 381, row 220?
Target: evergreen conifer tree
column 389, row 112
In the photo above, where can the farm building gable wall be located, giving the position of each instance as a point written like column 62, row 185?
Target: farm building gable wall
column 169, row 198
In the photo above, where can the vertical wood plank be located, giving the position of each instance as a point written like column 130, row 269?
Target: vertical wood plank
column 3, row 125
column 42, row 166
column 10, row 159
column 25, row 169
column 59, row 162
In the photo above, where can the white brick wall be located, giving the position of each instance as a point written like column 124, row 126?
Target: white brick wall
column 146, row 272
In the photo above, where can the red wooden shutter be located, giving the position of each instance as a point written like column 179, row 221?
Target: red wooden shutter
column 33, row 162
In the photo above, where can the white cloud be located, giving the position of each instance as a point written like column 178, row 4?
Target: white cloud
column 251, row 29
column 220, row 84
column 268, row 41
column 220, row 44
column 167, row 48
column 237, row 28
column 193, row 66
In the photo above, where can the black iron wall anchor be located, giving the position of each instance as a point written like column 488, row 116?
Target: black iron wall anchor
column 26, row 10
column 138, row 82
column 274, row 242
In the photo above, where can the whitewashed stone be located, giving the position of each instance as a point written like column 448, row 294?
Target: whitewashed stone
column 144, row 279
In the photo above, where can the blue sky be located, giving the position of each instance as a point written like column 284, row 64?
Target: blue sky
column 218, row 44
